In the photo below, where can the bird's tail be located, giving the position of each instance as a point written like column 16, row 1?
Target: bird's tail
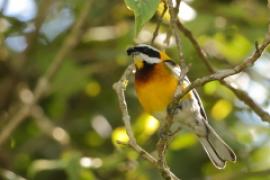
column 217, row 150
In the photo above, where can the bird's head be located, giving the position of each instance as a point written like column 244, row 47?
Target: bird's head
column 145, row 54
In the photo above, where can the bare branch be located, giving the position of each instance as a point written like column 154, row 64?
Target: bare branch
column 120, row 87
column 41, row 86
column 199, row 50
column 173, row 23
column 159, row 23
column 243, row 96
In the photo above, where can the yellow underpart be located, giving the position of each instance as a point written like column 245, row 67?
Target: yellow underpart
column 156, row 93
column 184, row 85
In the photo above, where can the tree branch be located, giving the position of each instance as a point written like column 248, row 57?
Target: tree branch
column 159, row 23
column 120, row 87
column 173, row 23
column 43, row 81
column 196, row 45
column 243, row 96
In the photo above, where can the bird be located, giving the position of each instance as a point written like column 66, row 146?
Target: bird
column 157, row 80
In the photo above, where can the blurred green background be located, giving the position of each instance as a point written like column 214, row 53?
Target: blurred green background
column 76, row 136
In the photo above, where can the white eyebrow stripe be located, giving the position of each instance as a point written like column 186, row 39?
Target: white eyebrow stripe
column 150, row 60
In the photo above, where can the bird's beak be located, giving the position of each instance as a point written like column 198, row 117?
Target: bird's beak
column 130, row 51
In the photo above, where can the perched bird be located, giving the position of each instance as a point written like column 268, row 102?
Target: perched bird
column 157, row 79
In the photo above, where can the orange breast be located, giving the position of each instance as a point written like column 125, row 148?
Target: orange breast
column 155, row 89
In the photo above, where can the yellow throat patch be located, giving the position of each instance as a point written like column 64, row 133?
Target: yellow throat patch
column 138, row 62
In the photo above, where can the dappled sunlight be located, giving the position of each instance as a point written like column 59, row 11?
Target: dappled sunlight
column 151, row 124
column 240, row 80
column 186, row 12
column 23, row 10
column 233, row 47
column 258, row 92
column 61, row 135
column 211, row 87
column 105, row 33
column 88, row 162
column 263, row 65
column 16, row 43
column 57, row 23
column 93, row 89
column 60, row 117
column 145, row 126
column 101, row 126
column 221, row 109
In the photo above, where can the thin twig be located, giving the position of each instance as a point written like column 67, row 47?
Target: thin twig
column 173, row 23
column 159, row 23
column 43, row 81
column 199, row 50
column 43, row 9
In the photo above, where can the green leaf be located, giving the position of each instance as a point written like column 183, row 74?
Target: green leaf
column 143, row 10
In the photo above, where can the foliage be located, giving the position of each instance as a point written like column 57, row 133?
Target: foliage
column 143, row 11
column 77, row 138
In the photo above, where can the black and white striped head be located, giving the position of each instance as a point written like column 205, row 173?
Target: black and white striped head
column 143, row 53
